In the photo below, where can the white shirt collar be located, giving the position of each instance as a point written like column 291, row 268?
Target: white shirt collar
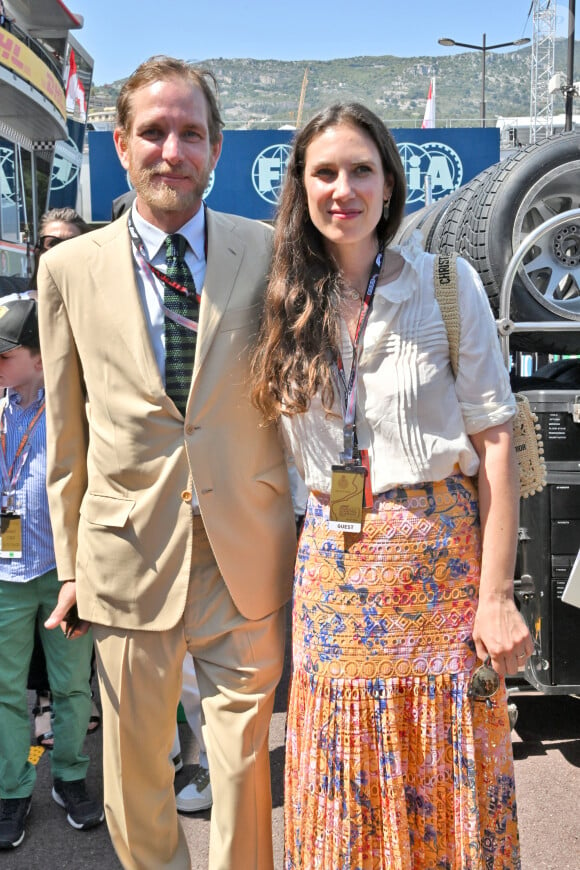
column 407, row 282
column 153, row 237
column 14, row 397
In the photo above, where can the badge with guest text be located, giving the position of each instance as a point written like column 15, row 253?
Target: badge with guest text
column 347, row 487
column 10, row 536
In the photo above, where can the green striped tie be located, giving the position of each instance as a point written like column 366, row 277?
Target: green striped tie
column 179, row 341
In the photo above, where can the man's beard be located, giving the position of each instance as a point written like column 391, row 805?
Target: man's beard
column 159, row 195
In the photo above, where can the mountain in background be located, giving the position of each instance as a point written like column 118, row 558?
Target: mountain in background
column 258, row 94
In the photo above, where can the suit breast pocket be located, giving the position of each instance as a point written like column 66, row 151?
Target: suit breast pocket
column 246, row 319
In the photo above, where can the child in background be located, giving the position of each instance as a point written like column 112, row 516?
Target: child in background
column 28, row 590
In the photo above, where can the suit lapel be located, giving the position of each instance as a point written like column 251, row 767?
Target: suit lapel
column 225, row 254
column 120, row 293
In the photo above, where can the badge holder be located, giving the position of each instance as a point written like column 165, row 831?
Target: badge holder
column 347, row 488
column 10, row 529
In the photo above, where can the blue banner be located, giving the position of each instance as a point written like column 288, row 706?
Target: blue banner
column 66, row 166
column 250, row 171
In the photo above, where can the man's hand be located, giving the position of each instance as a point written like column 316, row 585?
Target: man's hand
column 64, row 614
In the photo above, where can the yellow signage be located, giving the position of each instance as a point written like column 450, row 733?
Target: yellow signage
column 16, row 56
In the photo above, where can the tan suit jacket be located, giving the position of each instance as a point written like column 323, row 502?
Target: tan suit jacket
column 121, row 459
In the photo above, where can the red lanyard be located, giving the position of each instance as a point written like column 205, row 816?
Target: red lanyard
column 169, row 282
column 10, row 475
column 349, row 390
column 150, row 270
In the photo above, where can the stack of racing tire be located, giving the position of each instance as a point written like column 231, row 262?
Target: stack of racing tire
column 486, row 219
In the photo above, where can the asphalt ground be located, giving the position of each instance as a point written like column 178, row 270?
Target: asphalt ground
column 546, row 743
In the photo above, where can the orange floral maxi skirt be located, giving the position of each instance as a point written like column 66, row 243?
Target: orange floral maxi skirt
column 388, row 763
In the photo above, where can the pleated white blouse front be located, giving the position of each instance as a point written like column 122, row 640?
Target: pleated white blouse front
column 412, row 416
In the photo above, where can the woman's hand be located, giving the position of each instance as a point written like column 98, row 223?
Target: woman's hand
column 500, row 632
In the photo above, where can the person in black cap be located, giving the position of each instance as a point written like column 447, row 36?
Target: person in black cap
column 57, row 225
column 28, row 593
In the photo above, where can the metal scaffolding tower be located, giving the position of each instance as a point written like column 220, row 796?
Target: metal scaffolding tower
column 542, row 69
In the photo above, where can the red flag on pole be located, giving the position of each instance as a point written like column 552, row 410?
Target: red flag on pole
column 429, row 117
column 76, row 100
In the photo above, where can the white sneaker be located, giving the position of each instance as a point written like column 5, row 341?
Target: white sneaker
column 195, row 796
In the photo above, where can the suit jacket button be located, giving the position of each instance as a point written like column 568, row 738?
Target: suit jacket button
column 186, row 495
column 190, row 429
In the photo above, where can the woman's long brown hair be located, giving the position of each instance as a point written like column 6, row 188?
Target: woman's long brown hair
column 300, row 330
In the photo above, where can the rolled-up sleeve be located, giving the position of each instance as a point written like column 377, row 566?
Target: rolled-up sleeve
column 482, row 382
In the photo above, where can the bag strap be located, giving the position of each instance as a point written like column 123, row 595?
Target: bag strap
column 447, row 296
column 527, row 438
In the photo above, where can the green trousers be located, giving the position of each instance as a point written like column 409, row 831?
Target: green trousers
column 68, row 664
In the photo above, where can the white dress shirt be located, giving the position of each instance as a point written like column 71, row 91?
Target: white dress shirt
column 412, row 415
column 153, row 239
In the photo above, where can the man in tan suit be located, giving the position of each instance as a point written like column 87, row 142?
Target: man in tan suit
column 176, row 525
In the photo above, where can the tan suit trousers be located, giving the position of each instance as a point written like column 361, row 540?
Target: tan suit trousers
column 238, row 664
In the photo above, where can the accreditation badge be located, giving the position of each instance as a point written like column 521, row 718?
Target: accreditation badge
column 347, row 487
column 10, row 536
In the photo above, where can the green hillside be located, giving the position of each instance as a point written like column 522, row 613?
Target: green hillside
column 265, row 93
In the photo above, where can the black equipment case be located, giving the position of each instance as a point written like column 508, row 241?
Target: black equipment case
column 549, row 539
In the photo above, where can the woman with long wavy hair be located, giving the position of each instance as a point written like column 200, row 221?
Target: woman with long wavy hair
column 398, row 750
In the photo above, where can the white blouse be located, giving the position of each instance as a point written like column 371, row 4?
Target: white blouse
column 412, row 416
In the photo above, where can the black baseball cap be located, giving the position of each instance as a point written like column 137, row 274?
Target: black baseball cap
column 18, row 325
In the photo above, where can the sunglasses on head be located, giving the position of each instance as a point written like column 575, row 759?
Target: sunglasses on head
column 45, row 243
column 484, row 683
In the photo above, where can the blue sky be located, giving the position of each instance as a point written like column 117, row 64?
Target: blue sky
column 119, row 34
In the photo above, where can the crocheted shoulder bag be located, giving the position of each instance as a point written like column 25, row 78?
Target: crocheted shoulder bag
column 527, row 437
